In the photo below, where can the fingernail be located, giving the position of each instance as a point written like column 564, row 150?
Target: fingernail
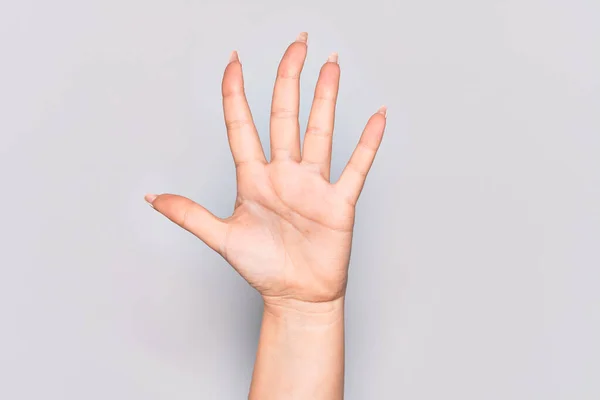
column 333, row 57
column 302, row 37
column 150, row 199
column 234, row 56
column 382, row 110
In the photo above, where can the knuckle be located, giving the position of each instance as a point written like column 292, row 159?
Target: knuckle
column 281, row 153
column 363, row 145
column 241, row 163
column 313, row 164
column 185, row 218
column 316, row 130
column 288, row 71
column 236, row 124
column 357, row 168
column 232, row 92
column 325, row 96
column 283, row 113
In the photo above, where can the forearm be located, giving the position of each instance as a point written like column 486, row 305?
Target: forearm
column 300, row 352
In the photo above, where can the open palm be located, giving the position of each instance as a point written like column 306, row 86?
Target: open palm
column 291, row 232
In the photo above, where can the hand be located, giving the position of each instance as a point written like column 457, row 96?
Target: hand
column 291, row 231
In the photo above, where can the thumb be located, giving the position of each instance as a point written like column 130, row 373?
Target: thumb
column 191, row 217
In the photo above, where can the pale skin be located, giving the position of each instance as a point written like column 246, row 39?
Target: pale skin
column 291, row 230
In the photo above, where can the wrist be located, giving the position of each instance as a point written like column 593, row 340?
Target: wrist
column 300, row 351
column 302, row 313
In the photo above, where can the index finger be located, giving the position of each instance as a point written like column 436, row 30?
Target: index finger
column 355, row 173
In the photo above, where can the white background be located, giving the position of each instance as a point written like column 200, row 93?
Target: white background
column 475, row 266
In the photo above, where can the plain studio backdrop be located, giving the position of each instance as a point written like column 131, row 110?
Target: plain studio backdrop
column 476, row 259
